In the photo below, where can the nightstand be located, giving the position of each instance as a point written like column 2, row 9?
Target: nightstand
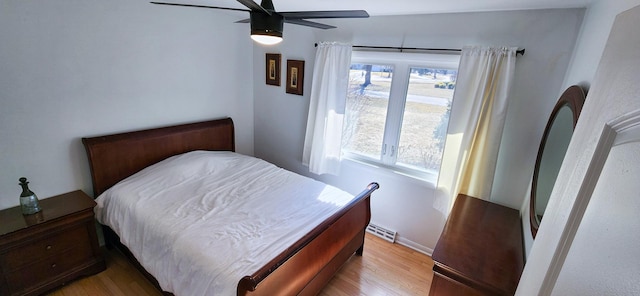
column 50, row 248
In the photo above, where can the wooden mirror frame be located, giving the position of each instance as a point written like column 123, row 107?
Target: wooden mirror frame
column 573, row 97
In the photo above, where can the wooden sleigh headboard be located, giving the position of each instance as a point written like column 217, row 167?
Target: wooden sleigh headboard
column 115, row 157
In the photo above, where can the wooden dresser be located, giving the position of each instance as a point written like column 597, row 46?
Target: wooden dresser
column 41, row 251
column 480, row 251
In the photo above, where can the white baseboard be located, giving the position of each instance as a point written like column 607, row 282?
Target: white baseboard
column 414, row 246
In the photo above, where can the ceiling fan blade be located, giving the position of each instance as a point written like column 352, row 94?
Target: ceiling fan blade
column 244, row 21
column 199, row 6
column 254, row 6
column 325, row 14
column 308, row 23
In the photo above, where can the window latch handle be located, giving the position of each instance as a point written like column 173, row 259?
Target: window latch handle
column 393, row 150
column 384, row 149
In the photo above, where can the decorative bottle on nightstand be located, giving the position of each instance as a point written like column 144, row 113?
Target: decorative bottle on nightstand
column 28, row 199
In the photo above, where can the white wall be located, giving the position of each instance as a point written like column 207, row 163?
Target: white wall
column 592, row 39
column 593, row 36
column 587, row 243
column 77, row 68
column 403, row 204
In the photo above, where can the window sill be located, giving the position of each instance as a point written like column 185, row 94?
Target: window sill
column 424, row 179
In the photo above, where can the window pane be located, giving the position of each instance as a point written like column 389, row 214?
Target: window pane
column 366, row 109
column 426, row 116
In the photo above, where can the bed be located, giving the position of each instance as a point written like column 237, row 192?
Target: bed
column 302, row 267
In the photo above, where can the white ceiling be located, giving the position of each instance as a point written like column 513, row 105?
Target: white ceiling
column 399, row 7
column 403, row 7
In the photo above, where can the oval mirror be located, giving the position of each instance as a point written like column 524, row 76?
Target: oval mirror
column 553, row 147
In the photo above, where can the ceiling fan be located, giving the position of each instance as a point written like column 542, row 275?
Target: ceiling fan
column 267, row 23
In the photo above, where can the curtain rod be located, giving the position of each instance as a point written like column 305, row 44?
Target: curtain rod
column 518, row 52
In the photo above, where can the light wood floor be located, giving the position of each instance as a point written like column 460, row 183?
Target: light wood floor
column 384, row 269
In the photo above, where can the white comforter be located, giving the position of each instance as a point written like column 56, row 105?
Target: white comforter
column 201, row 221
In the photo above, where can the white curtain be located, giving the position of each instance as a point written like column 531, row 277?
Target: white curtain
column 323, row 139
column 477, row 120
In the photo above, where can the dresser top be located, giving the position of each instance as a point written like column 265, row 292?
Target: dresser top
column 12, row 220
column 481, row 244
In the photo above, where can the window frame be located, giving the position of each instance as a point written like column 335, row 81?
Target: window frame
column 402, row 64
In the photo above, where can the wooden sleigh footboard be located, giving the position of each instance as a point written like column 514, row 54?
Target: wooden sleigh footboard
column 302, row 269
column 305, row 267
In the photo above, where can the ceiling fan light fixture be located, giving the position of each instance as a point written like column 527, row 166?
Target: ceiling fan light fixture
column 267, row 23
column 266, row 39
column 266, row 29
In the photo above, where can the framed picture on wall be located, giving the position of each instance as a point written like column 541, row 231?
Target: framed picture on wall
column 273, row 69
column 295, row 77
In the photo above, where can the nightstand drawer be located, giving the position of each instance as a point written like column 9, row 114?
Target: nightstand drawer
column 48, row 268
column 50, row 246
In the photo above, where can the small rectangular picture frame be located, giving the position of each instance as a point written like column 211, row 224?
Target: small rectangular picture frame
column 295, row 77
column 273, row 68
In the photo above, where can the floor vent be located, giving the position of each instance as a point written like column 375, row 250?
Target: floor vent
column 382, row 232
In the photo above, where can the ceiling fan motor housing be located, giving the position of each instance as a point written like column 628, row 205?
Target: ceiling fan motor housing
column 264, row 24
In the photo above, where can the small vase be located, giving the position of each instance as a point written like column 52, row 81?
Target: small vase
column 28, row 199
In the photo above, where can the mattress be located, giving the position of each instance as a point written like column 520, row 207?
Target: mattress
column 200, row 221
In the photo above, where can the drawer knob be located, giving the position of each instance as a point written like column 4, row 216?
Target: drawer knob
column 48, row 247
column 53, row 265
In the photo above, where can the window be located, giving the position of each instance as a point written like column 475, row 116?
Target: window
column 397, row 110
